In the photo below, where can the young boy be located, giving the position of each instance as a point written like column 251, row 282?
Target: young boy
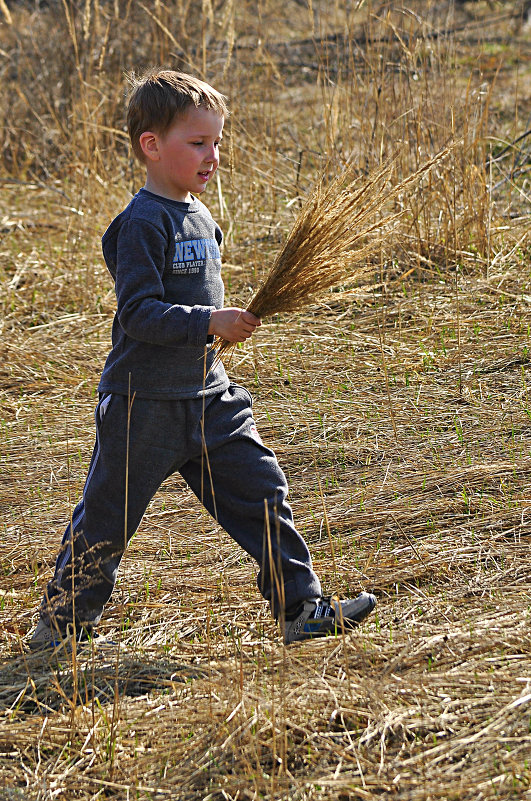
column 165, row 403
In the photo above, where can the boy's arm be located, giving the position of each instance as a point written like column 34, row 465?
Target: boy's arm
column 142, row 311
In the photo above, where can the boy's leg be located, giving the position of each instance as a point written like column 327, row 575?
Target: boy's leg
column 244, row 475
column 82, row 585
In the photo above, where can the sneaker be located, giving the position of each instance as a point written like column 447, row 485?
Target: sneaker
column 320, row 617
column 46, row 638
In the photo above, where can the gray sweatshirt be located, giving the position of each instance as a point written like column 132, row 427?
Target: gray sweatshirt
column 165, row 261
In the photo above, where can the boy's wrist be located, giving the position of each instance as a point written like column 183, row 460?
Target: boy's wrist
column 212, row 323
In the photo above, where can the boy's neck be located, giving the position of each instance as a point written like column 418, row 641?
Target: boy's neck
column 153, row 186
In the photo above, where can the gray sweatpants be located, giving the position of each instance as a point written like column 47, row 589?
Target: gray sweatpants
column 221, row 457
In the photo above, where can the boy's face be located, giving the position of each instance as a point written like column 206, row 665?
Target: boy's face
column 183, row 160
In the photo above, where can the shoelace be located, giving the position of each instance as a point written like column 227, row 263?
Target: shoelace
column 324, row 608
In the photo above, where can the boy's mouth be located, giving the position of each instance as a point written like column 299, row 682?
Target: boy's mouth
column 205, row 175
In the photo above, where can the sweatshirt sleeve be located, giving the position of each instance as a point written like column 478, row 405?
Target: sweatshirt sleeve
column 143, row 313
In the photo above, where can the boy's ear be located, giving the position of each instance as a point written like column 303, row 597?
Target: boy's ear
column 149, row 142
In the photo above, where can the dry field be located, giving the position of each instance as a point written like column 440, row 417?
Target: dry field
column 399, row 408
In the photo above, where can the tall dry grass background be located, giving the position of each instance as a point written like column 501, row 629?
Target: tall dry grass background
column 399, row 408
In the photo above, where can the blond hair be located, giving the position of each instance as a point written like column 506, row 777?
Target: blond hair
column 160, row 96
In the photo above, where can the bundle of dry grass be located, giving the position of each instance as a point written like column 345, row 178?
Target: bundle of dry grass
column 344, row 222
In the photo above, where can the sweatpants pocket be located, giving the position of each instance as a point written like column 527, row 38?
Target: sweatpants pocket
column 239, row 390
column 104, row 405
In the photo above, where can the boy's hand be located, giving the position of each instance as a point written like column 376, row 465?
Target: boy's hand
column 234, row 325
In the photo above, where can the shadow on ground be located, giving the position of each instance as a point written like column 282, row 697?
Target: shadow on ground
column 42, row 683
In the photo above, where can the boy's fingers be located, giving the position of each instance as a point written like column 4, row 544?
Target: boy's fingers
column 251, row 319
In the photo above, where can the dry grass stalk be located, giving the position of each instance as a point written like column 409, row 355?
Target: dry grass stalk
column 342, row 224
column 430, row 699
